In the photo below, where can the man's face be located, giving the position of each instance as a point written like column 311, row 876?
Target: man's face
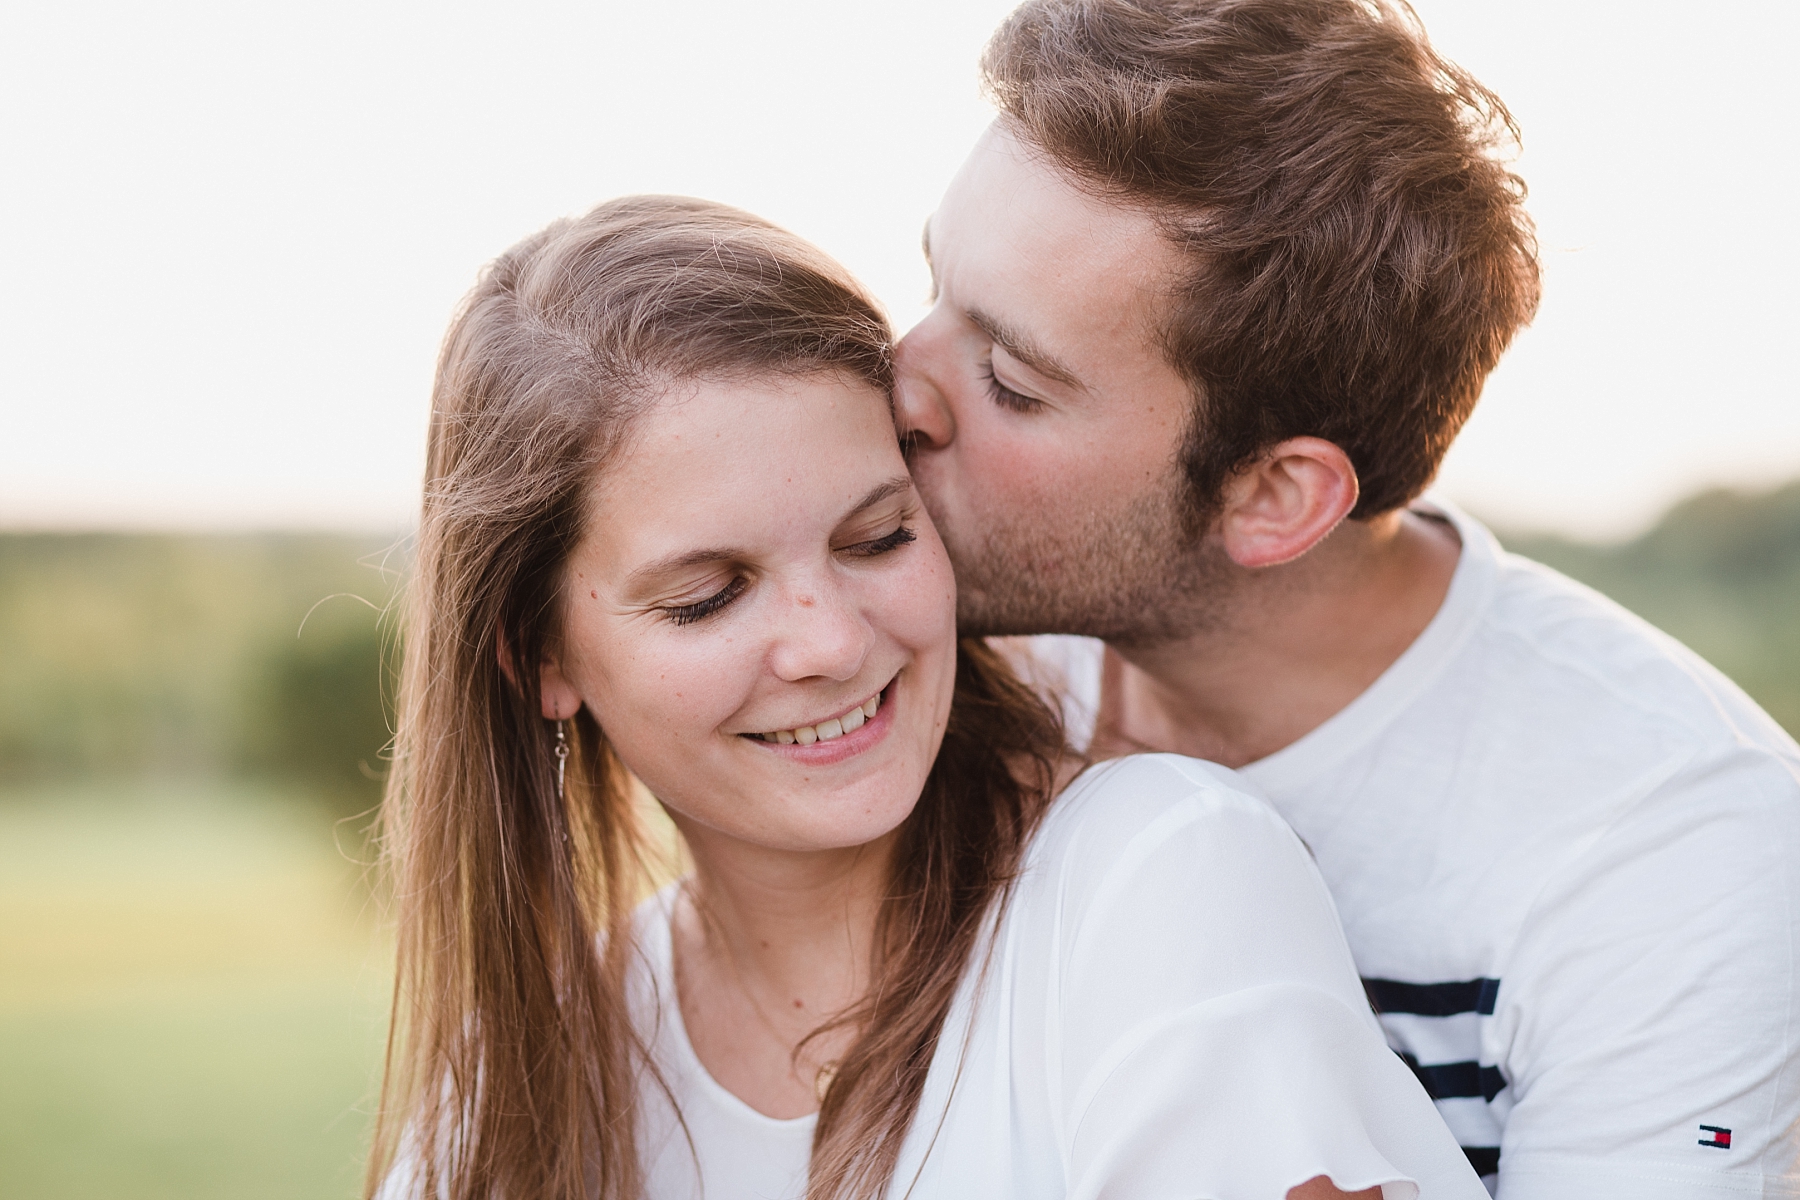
column 1046, row 420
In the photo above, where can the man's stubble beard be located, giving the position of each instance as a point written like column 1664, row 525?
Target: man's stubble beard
column 1141, row 576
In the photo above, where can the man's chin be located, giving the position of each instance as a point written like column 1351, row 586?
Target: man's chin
column 986, row 620
column 980, row 613
column 1153, row 612
column 1135, row 580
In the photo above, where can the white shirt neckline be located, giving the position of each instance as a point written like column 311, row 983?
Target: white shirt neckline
column 663, row 946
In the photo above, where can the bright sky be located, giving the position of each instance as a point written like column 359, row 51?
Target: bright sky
column 232, row 233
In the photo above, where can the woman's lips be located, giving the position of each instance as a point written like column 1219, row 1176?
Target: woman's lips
column 824, row 750
column 848, row 721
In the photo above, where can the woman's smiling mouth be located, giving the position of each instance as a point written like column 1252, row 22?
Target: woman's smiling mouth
column 830, row 729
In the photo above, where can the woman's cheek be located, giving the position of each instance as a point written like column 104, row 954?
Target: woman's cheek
column 935, row 599
column 661, row 699
column 654, row 688
column 694, row 683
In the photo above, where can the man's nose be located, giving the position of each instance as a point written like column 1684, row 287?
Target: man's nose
column 921, row 410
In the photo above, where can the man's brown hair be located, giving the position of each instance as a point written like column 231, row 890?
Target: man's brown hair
column 1360, row 256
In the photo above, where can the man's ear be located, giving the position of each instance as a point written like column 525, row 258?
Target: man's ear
column 1285, row 503
column 557, row 697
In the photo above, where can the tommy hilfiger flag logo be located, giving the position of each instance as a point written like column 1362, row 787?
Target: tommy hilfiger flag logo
column 1720, row 1137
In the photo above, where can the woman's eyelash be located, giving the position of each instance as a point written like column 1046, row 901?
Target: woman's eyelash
column 882, row 545
column 1004, row 396
column 687, row 614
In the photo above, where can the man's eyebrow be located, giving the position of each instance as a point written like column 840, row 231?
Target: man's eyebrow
column 1024, row 349
column 896, row 486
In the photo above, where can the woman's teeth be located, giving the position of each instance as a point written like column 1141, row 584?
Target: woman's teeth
column 824, row 731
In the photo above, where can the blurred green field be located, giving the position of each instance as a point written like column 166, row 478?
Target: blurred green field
column 193, row 988
column 192, row 996
column 193, row 981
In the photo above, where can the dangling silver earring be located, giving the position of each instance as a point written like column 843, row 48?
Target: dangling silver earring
column 562, row 758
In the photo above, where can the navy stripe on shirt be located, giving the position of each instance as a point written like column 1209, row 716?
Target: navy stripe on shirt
column 1485, row 1159
column 1433, row 999
column 1453, row 1081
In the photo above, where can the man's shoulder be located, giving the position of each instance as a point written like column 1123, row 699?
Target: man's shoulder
column 1543, row 635
column 1566, row 739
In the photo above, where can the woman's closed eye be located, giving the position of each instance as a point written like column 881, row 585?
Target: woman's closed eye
column 901, row 536
column 1004, row 396
column 687, row 614
column 699, row 610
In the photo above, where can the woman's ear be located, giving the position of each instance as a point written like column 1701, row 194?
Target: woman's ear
column 1287, row 501
column 559, row 697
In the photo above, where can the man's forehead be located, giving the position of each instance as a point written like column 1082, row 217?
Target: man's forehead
column 1017, row 240
column 1022, row 187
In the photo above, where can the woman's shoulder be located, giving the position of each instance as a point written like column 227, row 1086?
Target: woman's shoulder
column 1127, row 807
column 1162, row 882
column 1156, row 781
column 1167, row 855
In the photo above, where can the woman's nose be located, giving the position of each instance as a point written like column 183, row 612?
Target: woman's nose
column 921, row 412
column 823, row 635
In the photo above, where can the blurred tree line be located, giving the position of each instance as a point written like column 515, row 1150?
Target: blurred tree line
column 237, row 656
column 262, row 657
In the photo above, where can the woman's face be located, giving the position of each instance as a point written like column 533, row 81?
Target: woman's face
column 761, row 616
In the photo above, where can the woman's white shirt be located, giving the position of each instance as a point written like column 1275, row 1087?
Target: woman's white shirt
column 1165, row 1009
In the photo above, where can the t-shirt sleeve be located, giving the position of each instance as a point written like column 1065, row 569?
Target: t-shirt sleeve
column 1647, row 1018
column 1214, row 1040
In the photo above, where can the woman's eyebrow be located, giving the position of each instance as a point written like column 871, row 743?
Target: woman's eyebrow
column 677, row 562
column 896, row 486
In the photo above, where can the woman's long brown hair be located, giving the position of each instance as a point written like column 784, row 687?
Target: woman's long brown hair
column 513, row 1070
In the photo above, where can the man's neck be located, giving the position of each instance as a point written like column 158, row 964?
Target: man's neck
column 1290, row 649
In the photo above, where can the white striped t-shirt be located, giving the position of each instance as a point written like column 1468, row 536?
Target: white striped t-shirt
column 1567, row 856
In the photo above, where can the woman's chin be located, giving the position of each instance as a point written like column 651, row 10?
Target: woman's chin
column 816, row 815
